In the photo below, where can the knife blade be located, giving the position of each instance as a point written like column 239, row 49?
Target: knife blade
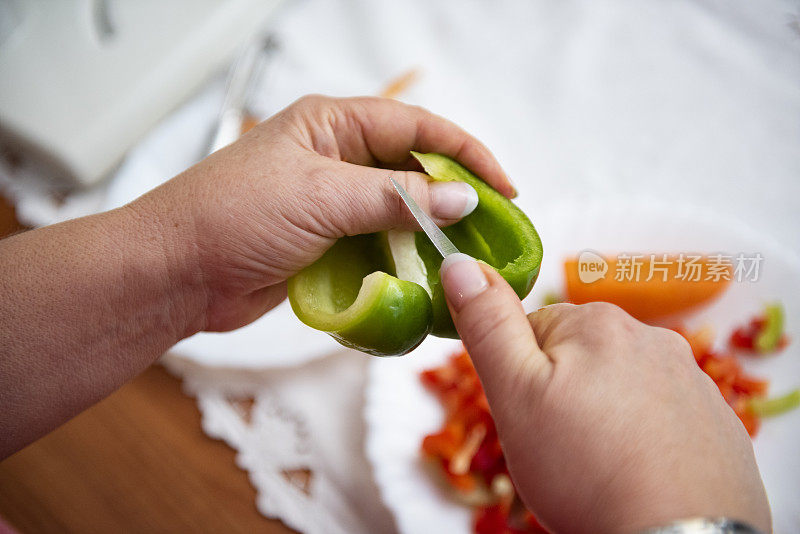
column 437, row 237
column 243, row 75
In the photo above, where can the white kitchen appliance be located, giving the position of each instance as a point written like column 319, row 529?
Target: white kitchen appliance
column 82, row 80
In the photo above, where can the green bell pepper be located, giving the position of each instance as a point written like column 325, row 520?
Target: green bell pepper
column 775, row 406
column 381, row 293
column 770, row 336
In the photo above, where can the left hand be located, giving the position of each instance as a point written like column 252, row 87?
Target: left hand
column 88, row 303
column 251, row 215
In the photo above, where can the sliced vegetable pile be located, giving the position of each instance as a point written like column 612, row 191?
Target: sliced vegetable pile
column 466, row 450
column 745, row 394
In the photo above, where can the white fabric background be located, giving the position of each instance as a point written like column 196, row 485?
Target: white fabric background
column 685, row 100
column 691, row 102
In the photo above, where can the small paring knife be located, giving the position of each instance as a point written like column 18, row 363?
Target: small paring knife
column 437, row 237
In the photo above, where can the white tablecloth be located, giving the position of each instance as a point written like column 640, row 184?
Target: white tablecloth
column 691, row 102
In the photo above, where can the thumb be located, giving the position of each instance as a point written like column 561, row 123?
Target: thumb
column 493, row 326
column 362, row 200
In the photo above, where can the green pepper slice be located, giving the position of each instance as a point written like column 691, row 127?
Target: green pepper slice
column 770, row 336
column 381, row 293
column 775, row 406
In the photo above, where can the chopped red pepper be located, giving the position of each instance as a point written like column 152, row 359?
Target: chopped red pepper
column 491, row 520
column 762, row 334
column 735, row 385
column 744, row 336
column 750, row 421
column 750, row 387
column 467, row 450
column 499, row 519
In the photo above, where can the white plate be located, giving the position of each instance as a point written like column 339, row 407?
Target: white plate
column 399, row 412
column 278, row 339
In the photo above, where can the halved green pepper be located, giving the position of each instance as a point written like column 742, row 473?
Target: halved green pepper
column 381, row 293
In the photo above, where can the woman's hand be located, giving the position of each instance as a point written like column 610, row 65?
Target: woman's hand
column 607, row 424
column 253, row 214
column 87, row 304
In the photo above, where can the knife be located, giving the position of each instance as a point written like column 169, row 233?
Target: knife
column 242, row 76
column 437, row 237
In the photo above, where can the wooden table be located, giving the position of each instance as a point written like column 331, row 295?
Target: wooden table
column 136, row 462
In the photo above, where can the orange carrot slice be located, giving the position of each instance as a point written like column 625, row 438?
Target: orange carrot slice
column 648, row 286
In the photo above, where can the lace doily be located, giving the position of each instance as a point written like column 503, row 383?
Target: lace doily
column 299, row 435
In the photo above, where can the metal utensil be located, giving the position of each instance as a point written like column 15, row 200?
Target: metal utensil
column 437, row 237
column 242, row 77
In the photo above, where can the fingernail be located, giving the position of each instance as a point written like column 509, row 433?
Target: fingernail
column 513, row 187
column 462, row 278
column 452, row 200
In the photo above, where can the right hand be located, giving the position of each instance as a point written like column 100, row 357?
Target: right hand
column 607, row 424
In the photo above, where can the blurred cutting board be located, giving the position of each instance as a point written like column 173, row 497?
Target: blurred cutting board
column 83, row 80
column 8, row 219
column 136, row 462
